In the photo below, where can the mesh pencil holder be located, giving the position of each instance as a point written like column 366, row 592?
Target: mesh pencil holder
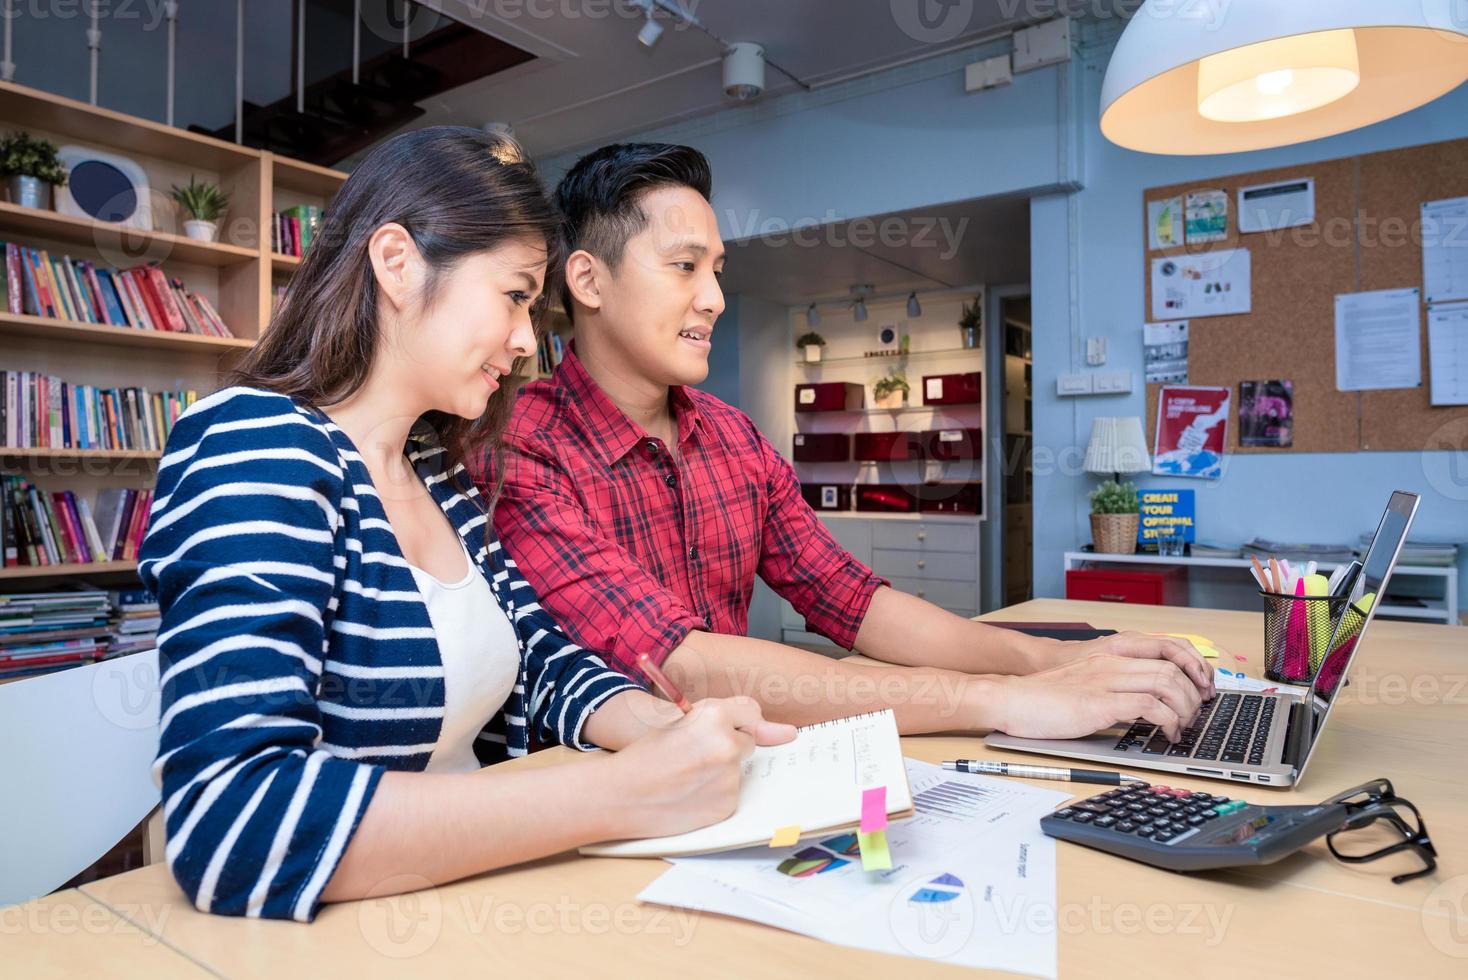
column 1297, row 632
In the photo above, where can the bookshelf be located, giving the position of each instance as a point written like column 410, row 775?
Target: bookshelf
column 238, row 274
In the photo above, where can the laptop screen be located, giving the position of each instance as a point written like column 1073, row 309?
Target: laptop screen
column 1371, row 585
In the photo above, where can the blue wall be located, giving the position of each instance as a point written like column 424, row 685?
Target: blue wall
column 912, row 138
column 1327, row 496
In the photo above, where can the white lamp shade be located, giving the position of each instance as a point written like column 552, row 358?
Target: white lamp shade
column 1117, row 446
column 1250, row 74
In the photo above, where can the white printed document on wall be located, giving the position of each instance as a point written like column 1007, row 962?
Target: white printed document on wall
column 1447, row 353
column 1378, row 340
column 1207, row 284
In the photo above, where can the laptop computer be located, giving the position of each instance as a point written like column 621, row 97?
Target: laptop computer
column 1265, row 738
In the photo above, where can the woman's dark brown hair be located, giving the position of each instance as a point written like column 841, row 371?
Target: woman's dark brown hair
column 457, row 191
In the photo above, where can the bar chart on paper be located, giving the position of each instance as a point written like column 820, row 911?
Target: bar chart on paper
column 1447, row 353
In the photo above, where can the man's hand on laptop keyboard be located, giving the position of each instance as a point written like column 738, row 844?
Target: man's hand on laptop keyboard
column 1145, row 646
column 1095, row 692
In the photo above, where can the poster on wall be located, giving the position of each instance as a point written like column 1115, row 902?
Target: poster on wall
column 1207, row 217
column 1192, row 431
column 1267, row 413
column 1208, row 284
column 1165, row 352
column 1165, row 223
column 1167, row 512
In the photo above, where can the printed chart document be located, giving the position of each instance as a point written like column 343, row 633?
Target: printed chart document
column 1445, row 250
column 1447, row 353
column 1378, row 340
column 972, row 881
column 1217, row 283
column 814, row 783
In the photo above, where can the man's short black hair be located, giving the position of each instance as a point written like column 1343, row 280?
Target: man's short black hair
column 600, row 198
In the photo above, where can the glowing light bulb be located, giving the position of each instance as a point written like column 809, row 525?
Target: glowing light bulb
column 1275, row 82
column 1283, row 77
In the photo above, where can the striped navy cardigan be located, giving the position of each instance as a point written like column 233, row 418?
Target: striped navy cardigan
column 297, row 658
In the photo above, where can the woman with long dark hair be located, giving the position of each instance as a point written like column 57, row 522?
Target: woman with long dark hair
column 344, row 642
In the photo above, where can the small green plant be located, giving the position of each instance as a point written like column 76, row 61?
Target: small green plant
column 203, row 201
column 972, row 315
column 22, row 155
column 811, row 339
column 1114, row 498
column 897, row 381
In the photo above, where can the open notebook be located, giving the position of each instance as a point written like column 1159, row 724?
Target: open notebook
column 814, row 782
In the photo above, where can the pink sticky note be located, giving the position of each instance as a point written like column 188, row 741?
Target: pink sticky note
column 873, row 809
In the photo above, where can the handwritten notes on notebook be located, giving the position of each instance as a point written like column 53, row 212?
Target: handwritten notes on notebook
column 815, row 783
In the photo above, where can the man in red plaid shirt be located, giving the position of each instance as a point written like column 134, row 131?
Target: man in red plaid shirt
column 642, row 509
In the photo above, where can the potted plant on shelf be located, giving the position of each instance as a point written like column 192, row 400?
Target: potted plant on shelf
column 31, row 168
column 811, row 343
column 971, row 323
column 205, row 204
column 891, row 391
column 1114, row 518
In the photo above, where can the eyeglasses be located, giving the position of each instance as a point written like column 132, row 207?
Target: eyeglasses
column 1377, row 804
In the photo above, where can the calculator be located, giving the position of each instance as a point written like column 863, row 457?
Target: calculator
column 1182, row 830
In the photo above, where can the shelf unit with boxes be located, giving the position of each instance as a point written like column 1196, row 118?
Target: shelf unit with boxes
column 900, row 487
column 235, row 275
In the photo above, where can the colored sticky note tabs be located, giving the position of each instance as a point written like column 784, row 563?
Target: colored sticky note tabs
column 786, row 836
column 874, row 853
column 874, row 809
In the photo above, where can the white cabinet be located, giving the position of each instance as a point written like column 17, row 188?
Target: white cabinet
column 932, row 556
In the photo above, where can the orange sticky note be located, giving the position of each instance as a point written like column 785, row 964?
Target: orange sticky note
column 786, row 836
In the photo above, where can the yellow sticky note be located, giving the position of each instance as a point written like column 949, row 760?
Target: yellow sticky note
column 1204, row 645
column 874, row 853
column 786, row 836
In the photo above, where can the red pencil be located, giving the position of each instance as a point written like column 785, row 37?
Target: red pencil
column 670, row 690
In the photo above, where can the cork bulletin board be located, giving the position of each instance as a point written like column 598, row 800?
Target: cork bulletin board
column 1366, row 236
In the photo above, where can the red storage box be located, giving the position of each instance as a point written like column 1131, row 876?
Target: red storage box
column 827, row 496
column 951, row 389
column 822, row 447
column 884, row 498
column 885, row 447
column 950, row 498
column 1138, row 584
column 829, row 396
column 953, row 444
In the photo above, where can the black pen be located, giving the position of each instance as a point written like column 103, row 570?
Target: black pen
column 982, row 767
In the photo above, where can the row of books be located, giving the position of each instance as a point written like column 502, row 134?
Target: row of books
column 291, row 230
column 38, row 528
column 39, row 284
column 40, row 411
column 551, row 353
column 45, row 631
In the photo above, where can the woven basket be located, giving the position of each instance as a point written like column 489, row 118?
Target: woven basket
column 1115, row 533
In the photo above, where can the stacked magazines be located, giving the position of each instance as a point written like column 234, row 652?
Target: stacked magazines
column 134, row 623
column 45, row 631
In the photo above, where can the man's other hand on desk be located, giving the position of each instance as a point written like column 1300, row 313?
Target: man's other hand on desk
column 1141, row 646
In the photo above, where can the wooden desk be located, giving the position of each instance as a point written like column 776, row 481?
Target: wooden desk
column 1405, row 716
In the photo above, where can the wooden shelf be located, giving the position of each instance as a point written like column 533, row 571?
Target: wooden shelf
column 284, row 263
column 306, row 178
column 48, row 328
column 916, row 355
column 106, row 235
column 68, row 569
column 28, row 107
column 18, row 452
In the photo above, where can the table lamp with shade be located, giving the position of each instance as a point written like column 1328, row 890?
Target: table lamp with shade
column 1118, row 447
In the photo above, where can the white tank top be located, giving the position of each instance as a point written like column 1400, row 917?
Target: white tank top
column 481, row 661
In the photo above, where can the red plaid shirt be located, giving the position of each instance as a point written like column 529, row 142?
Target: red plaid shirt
column 630, row 550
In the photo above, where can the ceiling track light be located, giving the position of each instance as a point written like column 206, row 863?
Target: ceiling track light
column 859, row 311
column 914, row 308
column 744, row 71
column 651, row 31
column 812, row 316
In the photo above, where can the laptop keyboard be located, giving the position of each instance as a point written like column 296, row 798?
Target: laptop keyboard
column 1227, row 728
